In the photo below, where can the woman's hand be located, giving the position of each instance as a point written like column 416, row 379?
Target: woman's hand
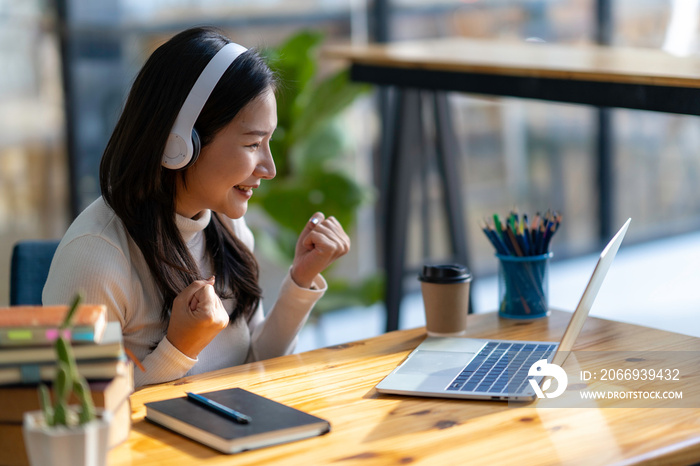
column 322, row 241
column 196, row 318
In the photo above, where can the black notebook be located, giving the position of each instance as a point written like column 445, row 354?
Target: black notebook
column 272, row 422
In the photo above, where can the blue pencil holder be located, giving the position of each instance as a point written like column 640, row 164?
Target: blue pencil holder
column 523, row 286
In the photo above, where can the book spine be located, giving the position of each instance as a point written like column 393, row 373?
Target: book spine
column 47, row 354
column 13, row 337
column 35, row 373
column 108, row 394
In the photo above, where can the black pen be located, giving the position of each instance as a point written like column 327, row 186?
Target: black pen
column 219, row 408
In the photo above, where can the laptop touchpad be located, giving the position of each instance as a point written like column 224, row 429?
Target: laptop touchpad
column 435, row 363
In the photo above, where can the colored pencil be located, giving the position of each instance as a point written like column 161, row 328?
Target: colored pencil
column 517, row 236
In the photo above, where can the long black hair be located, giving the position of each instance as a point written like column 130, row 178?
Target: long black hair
column 142, row 193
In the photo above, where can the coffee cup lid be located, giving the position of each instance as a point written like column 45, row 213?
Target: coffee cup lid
column 445, row 273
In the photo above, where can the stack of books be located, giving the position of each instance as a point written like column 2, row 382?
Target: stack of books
column 27, row 358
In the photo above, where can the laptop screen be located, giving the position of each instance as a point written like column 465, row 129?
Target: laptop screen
column 589, row 294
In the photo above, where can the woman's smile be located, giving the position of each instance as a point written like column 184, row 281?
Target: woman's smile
column 246, row 191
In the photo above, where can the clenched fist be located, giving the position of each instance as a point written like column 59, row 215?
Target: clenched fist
column 322, row 241
column 196, row 318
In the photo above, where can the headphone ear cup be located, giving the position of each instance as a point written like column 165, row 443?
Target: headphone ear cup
column 196, row 147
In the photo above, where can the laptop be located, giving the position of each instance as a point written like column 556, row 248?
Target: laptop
column 481, row 369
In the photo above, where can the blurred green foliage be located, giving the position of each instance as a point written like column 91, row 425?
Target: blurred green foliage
column 309, row 146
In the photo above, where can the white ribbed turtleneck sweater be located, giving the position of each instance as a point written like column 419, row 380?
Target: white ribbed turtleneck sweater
column 98, row 257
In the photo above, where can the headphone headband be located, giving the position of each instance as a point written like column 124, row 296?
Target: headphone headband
column 179, row 149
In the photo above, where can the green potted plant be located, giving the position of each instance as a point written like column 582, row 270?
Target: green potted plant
column 61, row 434
column 310, row 147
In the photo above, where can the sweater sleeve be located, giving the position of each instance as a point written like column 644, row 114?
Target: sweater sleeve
column 94, row 267
column 100, row 271
column 276, row 333
column 163, row 364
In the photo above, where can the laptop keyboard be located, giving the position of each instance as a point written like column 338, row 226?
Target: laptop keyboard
column 501, row 368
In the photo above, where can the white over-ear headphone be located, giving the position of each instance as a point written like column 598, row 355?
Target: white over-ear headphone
column 182, row 147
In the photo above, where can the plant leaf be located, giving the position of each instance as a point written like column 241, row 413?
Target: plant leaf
column 63, row 382
column 45, row 403
column 87, row 407
column 71, row 311
column 64, row 352
column 317, row 153
column 293, row 201
column 62, row 386
column 295, row 65
column 60, row 414
column 332, row 96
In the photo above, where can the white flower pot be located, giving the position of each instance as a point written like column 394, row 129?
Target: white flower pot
column 85, row 445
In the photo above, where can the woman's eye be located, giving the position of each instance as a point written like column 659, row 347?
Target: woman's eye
column 253, row 146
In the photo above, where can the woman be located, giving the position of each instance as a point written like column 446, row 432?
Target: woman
column 168, row 251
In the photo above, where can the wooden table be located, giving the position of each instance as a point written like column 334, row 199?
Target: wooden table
column 598, row 76
column 644, row 79
column 337, row 383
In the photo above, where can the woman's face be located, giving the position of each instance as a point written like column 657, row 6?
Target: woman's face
column 232, row 164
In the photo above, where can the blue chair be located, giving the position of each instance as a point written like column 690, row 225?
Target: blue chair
column 28, row 270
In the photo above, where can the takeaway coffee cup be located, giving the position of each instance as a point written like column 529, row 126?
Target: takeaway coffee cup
column 445, row 290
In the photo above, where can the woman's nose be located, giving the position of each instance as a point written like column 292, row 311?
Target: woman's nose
column 266, row 168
